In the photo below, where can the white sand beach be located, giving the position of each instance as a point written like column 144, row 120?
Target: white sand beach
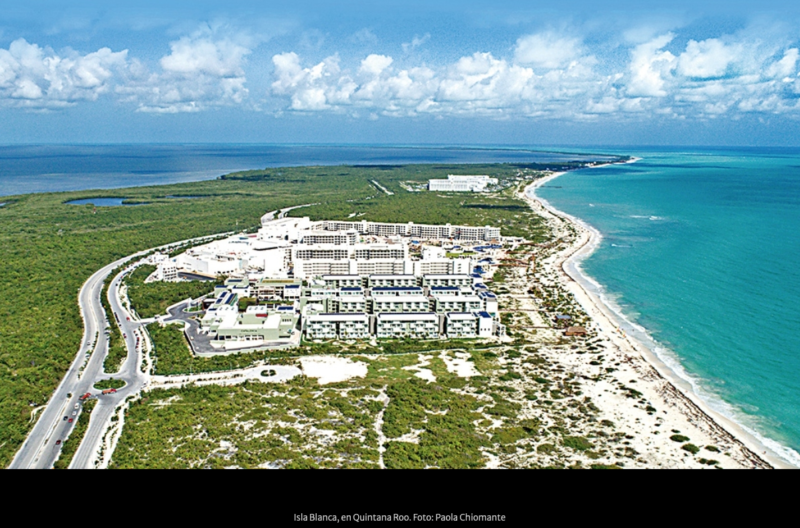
column 678, row 410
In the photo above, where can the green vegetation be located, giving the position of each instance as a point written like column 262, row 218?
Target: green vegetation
column 50, row 249
column 244, row 302
column 171, row 354
column 70, row 445
column 110, row 383
column 576, row 442
column 449, row 423
column 605, row 466
column 693, row 449
column 154, row 298
column 679, row 438
column 117, row 351
column 249, row 425
column 448, row 438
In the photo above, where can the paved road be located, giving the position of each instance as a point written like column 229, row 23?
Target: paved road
column 129, row 373
column 42, row 447
column 40, row 450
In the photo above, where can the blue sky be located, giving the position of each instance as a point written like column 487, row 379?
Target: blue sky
column 529, row 73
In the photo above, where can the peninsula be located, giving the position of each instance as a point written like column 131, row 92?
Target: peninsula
column 390, row 327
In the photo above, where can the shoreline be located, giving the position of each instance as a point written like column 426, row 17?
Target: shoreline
column 674, row 390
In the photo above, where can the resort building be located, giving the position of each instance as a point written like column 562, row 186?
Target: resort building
column 341, row 281
column 400, row 303
column 489, row 301
column 327, row 237
column 447, row 280
column 457, row 303
column 469, row 325
column 409, row 229
column 465, row 183
column 384, row 291
column 259, row 323
column 394, row 281
column 334, row 325
column 167, row 271
column 347, row 280
column 347, row 304
column 398, row 325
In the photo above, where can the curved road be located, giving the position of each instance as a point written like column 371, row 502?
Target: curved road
column 40, row 450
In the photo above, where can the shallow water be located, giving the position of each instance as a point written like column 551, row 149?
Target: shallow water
column 700, row 249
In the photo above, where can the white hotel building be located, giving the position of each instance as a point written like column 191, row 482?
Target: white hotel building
column 465, row 183
column 353, row 280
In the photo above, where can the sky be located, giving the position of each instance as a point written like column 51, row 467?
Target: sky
column 567, row 72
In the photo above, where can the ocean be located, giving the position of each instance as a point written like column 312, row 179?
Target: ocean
column 53, row 168
column 700, row 253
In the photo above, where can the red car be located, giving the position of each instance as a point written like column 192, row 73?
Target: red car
column 70, row 420
column 58, row 442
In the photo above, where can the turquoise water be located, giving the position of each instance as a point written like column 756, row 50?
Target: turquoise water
column 701, row 248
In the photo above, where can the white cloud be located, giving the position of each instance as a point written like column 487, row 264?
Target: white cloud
column 709, row 78
column 310, row 88
column 375, row 64
column 479, row 84
column 649, row 67
column 201, row 71
column 39, row 78
column 546, row 50
column 189, row 56
column 416, row 42
column 708, row 58
column 546, row 75
column 784, row 67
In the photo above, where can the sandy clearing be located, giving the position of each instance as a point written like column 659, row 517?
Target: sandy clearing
column 332, row 369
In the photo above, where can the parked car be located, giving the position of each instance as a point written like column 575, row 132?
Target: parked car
column 70, row 420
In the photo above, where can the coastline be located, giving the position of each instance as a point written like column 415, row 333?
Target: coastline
column 664, row 383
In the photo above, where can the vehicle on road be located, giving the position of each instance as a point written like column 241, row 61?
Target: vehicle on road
column 125, row 336
column 127, row 318
column 70, row 420
column 58, row 442
column 74, row 413
column 86, row 396
column 77, row 406
column 66, row 417
column 109, row 391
